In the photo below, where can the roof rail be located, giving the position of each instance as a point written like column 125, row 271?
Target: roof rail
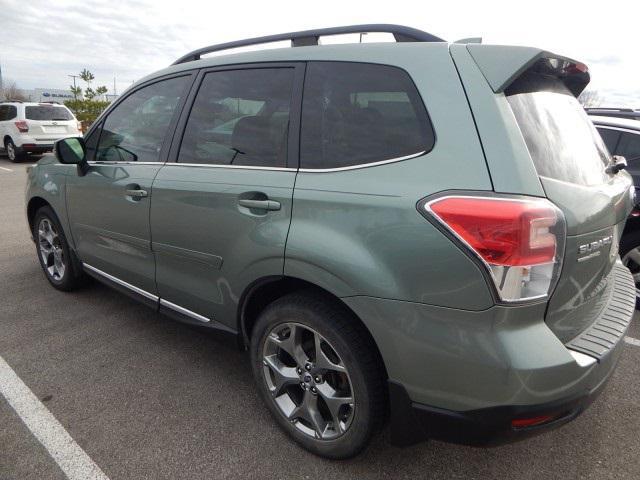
column 311, row 37
column 611, row 109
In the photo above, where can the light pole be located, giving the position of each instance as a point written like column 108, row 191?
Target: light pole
column 75, row 97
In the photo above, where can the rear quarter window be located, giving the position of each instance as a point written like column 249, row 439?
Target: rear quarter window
column 563, row 143
column 359, row 113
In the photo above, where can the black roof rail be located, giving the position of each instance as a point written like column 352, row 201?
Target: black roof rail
column 310, row 37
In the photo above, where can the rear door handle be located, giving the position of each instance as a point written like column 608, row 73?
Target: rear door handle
column 260, row 204
column 137, row 193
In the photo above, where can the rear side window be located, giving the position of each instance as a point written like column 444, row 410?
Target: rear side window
column 610, row 138
column 562, row 141
column 359, row 113
column 240, row 117
column 47, row 113
column 8, row 112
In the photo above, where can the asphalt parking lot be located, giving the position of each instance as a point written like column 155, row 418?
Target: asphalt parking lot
column 146, row 397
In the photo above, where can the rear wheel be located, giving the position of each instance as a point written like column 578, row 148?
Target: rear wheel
column 630, row 254
column 53, row 251
column 318, row 374
column 14, row 153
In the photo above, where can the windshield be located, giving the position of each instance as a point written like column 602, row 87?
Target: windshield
column 47, row 112
column 561, row 139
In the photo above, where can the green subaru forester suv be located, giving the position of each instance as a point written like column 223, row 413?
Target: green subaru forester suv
column 415, row 233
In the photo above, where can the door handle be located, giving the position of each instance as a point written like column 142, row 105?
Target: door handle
column 271, row 205
column 137, row 193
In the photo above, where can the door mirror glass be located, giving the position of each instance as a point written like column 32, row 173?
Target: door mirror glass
column 70, row 150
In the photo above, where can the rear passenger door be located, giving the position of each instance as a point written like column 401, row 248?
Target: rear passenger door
column 221, row 209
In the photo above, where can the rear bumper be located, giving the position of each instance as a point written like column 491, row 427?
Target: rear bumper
column 413, row 422
column 36, row 148
column 464, row 376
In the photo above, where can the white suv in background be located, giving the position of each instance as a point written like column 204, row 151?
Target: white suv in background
column 34, row 127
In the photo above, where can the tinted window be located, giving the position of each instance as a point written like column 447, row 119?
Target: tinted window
column 610, row 138
column 629, row 147
column 561, row 139
column 47, row 113
column 135, row 130
column 240, row 117
column 91, row 143
column 8, row 112
column 357, row 113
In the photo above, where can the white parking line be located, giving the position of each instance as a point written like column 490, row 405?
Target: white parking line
column 632, row 341
column 73, row 461
column 6, row 169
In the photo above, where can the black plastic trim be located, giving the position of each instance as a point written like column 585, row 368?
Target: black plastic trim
column 311, row 37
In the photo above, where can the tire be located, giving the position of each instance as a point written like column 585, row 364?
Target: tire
column 630, row 255
column 14, row 153
column 58, row 262
column 357, row 395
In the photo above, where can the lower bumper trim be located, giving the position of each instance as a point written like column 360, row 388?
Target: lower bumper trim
column 412, row 423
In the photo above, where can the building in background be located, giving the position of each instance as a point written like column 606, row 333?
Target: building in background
column 59, row 95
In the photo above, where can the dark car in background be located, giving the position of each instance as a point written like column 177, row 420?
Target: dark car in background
column 622, row 137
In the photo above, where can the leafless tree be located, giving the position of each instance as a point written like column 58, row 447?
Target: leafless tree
column 590, row 98
column 10, row 91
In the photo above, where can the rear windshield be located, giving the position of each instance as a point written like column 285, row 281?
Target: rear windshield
column 46, row 112
column 561, row 139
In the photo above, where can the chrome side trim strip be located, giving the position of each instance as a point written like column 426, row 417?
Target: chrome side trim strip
column 144, row 293
column 238, row 167
column 184, row 311
column 363, row 165
column 96, row 162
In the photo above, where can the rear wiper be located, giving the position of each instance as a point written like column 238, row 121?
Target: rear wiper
column 58, row 119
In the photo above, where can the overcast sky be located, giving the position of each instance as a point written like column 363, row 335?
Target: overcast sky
column 41, row 42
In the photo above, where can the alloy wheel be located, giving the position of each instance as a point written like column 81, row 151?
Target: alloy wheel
column 51, row 250
column 11, row 151
column 308, row 381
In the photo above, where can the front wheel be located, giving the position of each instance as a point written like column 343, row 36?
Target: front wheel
column 630, row 255
column 318, row 373
column 53, row 251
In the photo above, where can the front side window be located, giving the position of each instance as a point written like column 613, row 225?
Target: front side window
column 137, row 127
column 358, row 113
column 240, row 117
column 4, row 113
column 47, row 113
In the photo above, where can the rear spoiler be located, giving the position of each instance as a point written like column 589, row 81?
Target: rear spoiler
column 502, row 65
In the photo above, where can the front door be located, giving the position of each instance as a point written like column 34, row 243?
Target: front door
column 221, row 212
column 109, row 206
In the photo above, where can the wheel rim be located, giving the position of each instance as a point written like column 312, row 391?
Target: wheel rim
column 308, row 381
column 631, row 260
column 11, row 152
column 51, row 250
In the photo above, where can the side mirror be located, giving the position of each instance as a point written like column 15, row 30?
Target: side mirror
column 72, row 151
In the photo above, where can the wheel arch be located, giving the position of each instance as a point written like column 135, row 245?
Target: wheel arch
column 266, row 290
column 35, row 204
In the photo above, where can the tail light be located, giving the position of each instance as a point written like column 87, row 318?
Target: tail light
column 520, row 242
column 22, row 126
